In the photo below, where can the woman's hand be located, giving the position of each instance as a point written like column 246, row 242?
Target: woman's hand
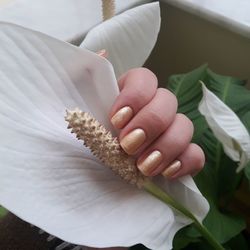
column 151, row 130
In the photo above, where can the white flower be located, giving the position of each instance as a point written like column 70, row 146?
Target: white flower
column 128, row 37
column 227, row 127
column 50, row 179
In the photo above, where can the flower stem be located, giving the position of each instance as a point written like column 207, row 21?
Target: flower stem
column 159, row 193
column 108, row 9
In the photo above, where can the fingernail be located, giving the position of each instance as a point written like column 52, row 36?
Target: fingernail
column 121, row 118
column 132, row 141
column 172, row 169
column 150, row 163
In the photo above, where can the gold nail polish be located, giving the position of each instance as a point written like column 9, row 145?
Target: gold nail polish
column 132, row 141
column 172, row 169
column 150, row 163
column 121, row 118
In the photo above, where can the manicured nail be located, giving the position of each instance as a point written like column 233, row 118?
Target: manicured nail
column 150, row 163
column 121, row 118
column 172, row 169
column 132, row 141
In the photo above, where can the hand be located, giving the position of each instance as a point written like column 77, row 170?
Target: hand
column 151, row 130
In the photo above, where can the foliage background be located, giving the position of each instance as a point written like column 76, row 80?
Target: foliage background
column 2, row 212
column 226, row 191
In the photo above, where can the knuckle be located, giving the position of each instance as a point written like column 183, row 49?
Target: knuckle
column 142, row 96
column 139, row 87
column 136, row 99
column 159, row 121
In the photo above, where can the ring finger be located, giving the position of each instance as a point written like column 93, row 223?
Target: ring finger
column 167, row 147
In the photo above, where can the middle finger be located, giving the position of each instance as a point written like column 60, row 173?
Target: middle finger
column 149, row 123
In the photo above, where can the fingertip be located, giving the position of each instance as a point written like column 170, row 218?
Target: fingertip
column 122, row 117
column 140, row 73
column 138, row 87
column 192, row 161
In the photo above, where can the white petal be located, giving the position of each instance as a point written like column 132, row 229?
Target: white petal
column 66, row 20
column 47, row 177
column 128, row 37
column 226, row 126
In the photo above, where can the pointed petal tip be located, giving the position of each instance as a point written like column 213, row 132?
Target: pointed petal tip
column 226, row 127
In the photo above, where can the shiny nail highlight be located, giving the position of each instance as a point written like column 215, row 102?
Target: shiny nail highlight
column 122, row 117
column 172, row 169
column 150, row 162
column 132, row 141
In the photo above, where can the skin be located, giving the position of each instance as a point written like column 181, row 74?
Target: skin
column 154, row 110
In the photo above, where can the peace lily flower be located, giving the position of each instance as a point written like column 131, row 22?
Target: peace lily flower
column 50, row 179
column 128, row 38
column 227, row 127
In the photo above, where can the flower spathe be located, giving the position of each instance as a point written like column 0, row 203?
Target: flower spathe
column 128, row 38
column 227, row 127
column 47, row 177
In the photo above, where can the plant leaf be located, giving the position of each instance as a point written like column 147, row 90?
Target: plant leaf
column 50, row 179
column 188, row 91
column 227, row 127
column 3, row 212
column 223, row 226
column 246, row 120
column 218, row 180
column 128, row 38
column 231, row 91
column 238, row 242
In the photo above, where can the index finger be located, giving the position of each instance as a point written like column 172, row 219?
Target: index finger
column 138, row 87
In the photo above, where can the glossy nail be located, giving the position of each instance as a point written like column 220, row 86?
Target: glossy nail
column 122, row 117
column 172, row 169
column 132, row 141
column 150, row 163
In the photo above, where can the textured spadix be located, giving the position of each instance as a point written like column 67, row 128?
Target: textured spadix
column 107, row 149
column 103, row 145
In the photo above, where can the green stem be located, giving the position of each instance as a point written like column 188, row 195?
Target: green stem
column 163, row 196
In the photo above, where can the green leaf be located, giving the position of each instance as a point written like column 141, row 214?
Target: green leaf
column 186, row 87
column 183, row 238
column 3, row 212
column 218, row 180
column 238, row 242
column 188, row 91
column 247, row 171
column 224, row 226
column 138, row 247
column 207, row 187
column 231, row 91
column 246, row 120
